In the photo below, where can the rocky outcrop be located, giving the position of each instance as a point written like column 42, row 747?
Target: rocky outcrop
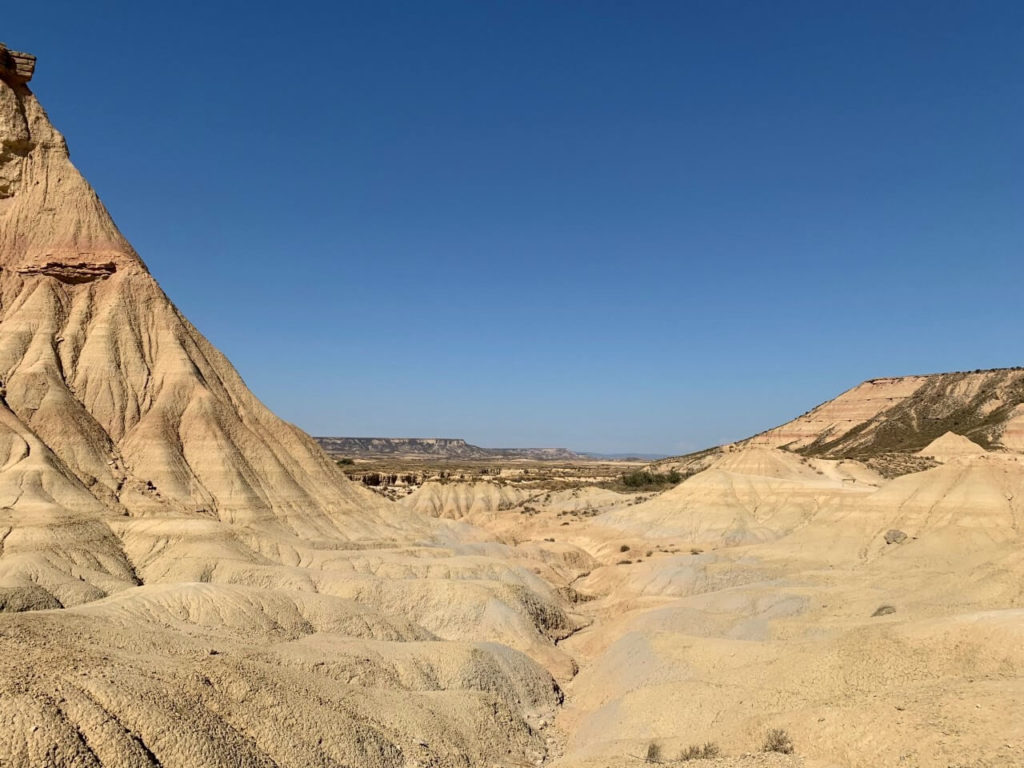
column 16, row 67
column 82, row 272
column 114, row 404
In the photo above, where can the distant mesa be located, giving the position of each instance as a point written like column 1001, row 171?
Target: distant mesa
column 435, row 447
column 401, row 446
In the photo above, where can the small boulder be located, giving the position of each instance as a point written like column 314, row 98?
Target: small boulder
column 893, row 536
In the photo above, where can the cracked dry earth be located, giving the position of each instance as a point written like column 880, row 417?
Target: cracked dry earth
column 186, row 580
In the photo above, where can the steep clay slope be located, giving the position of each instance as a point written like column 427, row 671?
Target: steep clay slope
column 199, row 585
column 109, row 393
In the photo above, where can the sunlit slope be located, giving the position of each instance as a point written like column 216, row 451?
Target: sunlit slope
column 877, row 621
column 187, row 579
column 889, row 422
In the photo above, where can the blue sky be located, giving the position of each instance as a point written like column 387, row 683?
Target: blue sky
column 603, row 225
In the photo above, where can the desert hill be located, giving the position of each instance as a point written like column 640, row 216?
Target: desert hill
column 113, row 404
column 190, row 581
column 950, row 446
column 186, row 580
column 873, row 619
column 905, row 414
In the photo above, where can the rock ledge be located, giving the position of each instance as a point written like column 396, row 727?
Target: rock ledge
column 15, row 66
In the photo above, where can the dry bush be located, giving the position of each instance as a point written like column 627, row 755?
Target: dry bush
column 653, row 753
column 777, row 740
column 700, row 752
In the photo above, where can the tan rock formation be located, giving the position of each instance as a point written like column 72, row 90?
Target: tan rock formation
column 16, row 67
column 204, row 586
column 188, row 581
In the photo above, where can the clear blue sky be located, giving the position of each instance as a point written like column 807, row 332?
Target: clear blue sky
column 610, row 226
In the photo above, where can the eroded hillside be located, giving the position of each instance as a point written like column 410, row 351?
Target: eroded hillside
column 203, row 586
column 886, row 422
column 188, row 581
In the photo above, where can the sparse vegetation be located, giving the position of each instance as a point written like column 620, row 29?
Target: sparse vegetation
column 653, row 753
column 624, row 548
column 644, row 478
column 345, row 462
column 376, row 479
column 890, row 465
column 705, row 751
column 777, row 740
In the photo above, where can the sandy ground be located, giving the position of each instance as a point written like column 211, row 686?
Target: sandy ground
column 763, row 593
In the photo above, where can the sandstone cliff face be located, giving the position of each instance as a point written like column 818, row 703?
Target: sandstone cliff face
column 16, row 66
